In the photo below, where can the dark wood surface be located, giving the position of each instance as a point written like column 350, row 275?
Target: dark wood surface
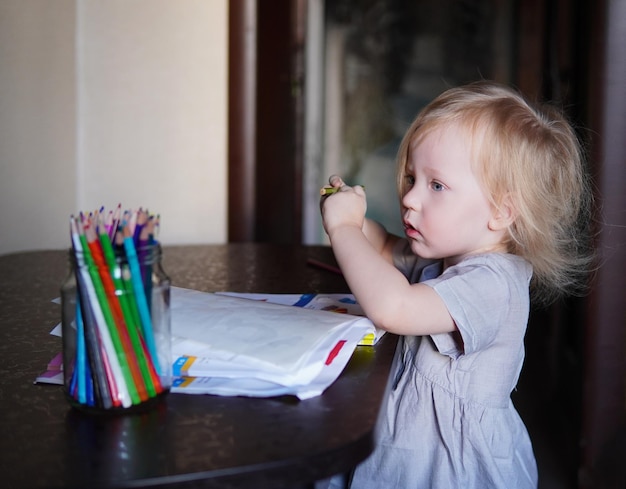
column 188, row 441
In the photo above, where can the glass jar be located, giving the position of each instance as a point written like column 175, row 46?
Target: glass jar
column 116, row 328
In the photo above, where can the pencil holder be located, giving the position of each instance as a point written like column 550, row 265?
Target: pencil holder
column 116, row 328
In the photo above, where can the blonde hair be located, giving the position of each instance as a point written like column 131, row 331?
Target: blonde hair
column 529, row 157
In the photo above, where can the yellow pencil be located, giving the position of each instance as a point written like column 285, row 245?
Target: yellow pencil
column 331, row 190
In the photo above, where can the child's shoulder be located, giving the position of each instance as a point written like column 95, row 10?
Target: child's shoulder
column 496, row 260
column 414, row 267
column 502, row 270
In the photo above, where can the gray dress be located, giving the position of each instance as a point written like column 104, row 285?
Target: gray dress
column 449, row 421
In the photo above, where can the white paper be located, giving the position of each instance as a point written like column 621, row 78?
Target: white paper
column 256, row 348
column 338, row 303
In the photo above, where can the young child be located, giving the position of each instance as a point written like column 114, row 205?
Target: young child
column 493, row 193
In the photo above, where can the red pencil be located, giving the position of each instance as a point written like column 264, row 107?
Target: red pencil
column 324, row 266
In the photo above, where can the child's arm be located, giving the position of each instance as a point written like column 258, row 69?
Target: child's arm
column 387, row 298
column 382, row 241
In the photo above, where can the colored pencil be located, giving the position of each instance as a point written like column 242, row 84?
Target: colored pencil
column 134, row 311
column 324, row 266
column 115, row 221
column 121, row 340
column 116, row 361
column 81, row 357
column 328, row 190
column 132, row 325
column 331, row 190
column 140, row 295
column 103, row 378
column 98, row 342
column 131, row 396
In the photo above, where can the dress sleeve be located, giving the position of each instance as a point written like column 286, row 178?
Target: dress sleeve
column 479, row 294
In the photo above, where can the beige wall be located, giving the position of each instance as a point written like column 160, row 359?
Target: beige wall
column 108, row 102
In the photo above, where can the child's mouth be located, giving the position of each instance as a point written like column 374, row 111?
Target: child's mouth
column 411, row 231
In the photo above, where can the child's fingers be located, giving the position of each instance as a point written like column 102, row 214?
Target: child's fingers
column 335, row 181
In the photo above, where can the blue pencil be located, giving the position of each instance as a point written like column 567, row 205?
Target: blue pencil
column 81, row 358
column 140, row 295
column 89, row 386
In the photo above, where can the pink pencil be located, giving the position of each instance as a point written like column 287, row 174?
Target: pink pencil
column 115, row 221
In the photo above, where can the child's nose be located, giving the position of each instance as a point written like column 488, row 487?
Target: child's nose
column 411, row 199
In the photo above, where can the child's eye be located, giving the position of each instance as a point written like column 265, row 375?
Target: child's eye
column 410, row 180
column 436, row 186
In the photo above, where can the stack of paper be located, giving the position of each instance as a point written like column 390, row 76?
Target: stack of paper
column 339, row 303
column 234, row 346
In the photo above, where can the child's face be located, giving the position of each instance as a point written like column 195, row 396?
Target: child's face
column 446, row 212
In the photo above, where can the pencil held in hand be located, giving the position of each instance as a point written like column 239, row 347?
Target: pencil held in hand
column 331, row 190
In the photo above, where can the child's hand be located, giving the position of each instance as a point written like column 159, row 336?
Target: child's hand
column 346, row 207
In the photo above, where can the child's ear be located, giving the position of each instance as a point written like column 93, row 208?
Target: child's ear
column 504, row 214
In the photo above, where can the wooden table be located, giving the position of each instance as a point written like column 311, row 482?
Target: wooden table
column 189, row 441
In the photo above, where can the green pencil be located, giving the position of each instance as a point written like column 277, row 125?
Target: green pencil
column 332, row 190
